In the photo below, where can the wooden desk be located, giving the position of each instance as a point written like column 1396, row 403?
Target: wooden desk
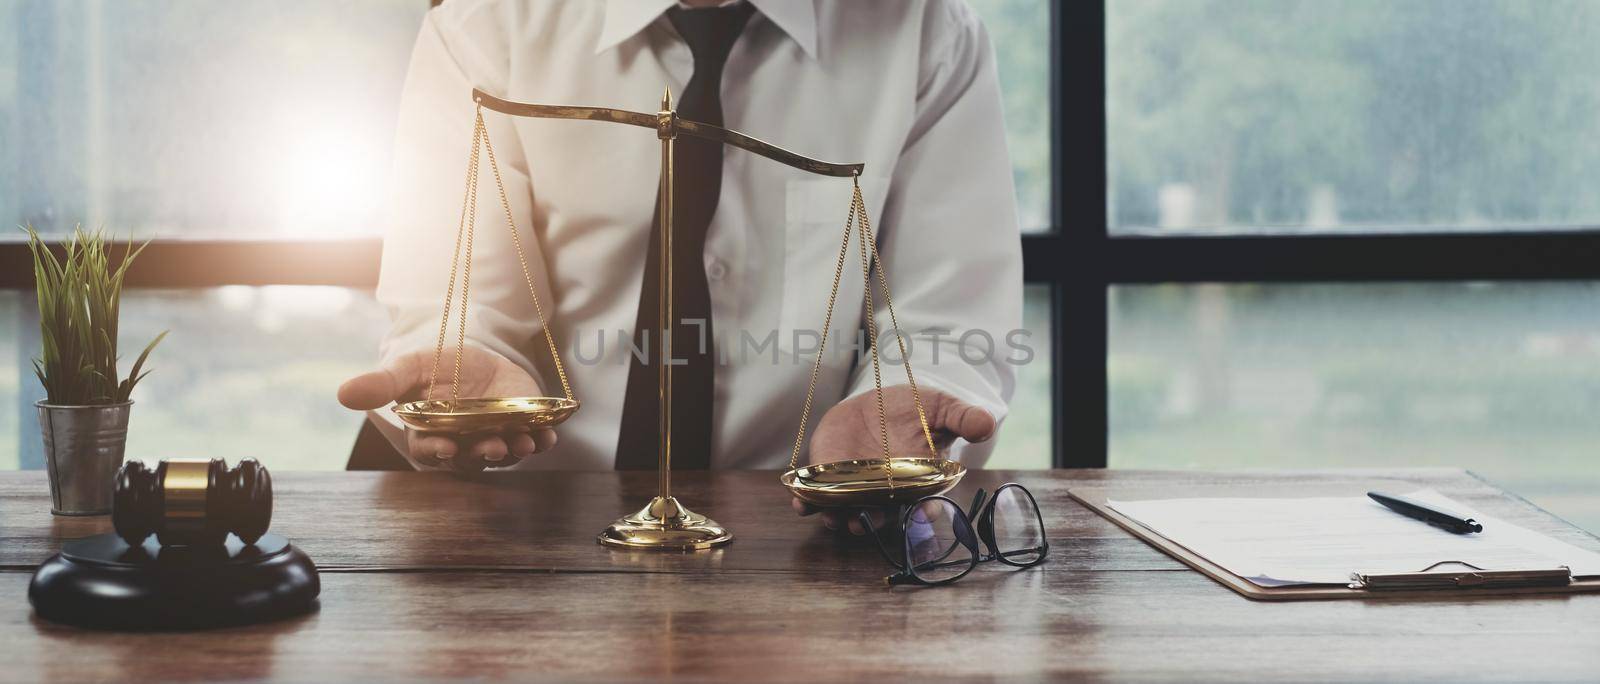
column 427, row 576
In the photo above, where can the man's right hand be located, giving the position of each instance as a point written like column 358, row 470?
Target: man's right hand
column 483, row 374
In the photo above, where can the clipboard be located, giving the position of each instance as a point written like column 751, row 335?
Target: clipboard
column 1428, row 582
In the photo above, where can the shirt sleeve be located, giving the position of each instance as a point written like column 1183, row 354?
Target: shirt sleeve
column 460, row 47
column 949, row 237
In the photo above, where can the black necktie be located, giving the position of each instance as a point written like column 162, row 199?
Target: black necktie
column 697, row 167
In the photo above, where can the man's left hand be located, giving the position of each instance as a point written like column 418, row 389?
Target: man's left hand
column 850, row 430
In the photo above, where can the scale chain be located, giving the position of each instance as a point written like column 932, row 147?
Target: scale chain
column 858, row 212
column 455, row 260
column 872, row 337
column 522, row 259
column 467, row 229
column 466, row 275
column 827, row 322
column 894, row 321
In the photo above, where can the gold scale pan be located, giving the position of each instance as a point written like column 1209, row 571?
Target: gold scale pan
column 665, row 523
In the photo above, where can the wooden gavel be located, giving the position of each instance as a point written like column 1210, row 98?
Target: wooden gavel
column 192, row 502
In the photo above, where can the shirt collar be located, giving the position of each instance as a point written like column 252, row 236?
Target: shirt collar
column 626, row 18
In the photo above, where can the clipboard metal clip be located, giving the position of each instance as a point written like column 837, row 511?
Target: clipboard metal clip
column 1476, row 577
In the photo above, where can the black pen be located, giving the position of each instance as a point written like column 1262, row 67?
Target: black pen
column 1432, row 515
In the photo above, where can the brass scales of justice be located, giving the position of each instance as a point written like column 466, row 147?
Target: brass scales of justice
column 665, row 523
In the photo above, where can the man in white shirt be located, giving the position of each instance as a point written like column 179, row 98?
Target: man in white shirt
column 907, row 86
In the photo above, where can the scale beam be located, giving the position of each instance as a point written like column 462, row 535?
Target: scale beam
column 693, row 129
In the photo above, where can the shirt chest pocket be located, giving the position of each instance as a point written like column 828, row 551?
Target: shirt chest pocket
column 814, row 215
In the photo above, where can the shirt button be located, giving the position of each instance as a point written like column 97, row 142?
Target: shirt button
column 717, row 269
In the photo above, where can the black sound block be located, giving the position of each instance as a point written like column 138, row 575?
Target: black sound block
column 101, row 582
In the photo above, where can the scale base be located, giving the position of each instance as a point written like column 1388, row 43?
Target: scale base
column 665, row 524
column 101, row 582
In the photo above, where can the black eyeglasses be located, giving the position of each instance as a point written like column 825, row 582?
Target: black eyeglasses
column 941, row 545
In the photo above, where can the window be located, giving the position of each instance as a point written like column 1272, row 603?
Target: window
column 247, row 371
column 1336, row 234
column 1020, row 32
column 11, row 364
column 1255, row 116
column 1024, row 440
column 269, row 118
column 1501, row 378
column 268, row 121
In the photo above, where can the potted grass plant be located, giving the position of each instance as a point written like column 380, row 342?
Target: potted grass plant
column 84, row 416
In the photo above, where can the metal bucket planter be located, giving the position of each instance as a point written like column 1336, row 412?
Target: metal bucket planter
column 83, row 448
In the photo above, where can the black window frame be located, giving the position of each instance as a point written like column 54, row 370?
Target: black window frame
column 1080, row 259
column 1076, row 256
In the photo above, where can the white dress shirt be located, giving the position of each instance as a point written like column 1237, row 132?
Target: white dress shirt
column 906, row 86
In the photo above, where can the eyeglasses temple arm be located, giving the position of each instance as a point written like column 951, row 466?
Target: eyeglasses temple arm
column 1019, row 552
column 900, row 578
column 866, row 521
